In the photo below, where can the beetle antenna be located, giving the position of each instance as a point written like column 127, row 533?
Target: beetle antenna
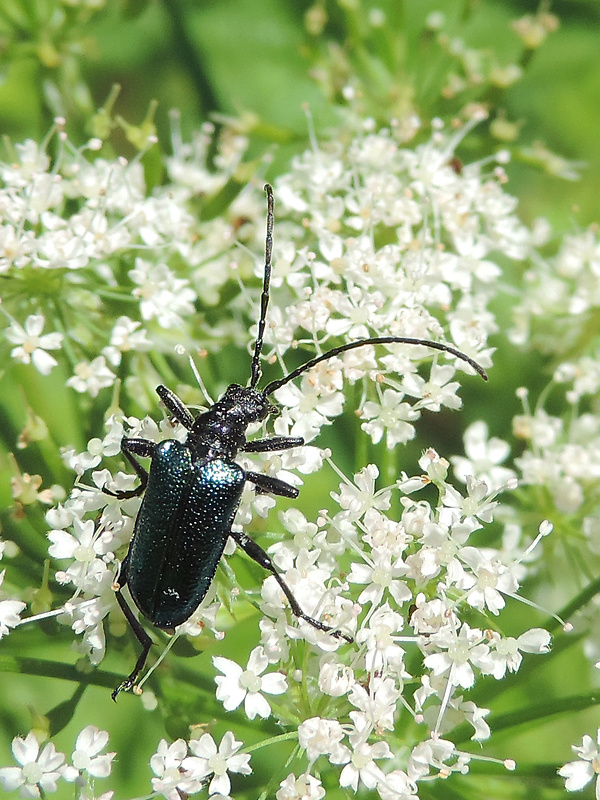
column 274, row 385
column 264, row 298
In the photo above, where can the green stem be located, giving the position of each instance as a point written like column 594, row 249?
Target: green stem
column 192, row 61
column 522, row 716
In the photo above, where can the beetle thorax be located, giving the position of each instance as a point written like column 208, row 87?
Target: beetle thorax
column 221, row 431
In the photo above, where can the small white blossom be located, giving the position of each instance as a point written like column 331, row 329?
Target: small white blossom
column 39, row 770
column 305, row 787
column 391, row 416
column 237, row 685
column 458, row 651
column 320, row 737
column 162, row 296
column 166, row 764
column 91, row 376
column 396, row 785
column 433, row 754
column 484, row 457
column 86, row 755
column 506, row 654
column 359, row 759
column 478, row 502
column 485, row 581
column 381, row 576
column 210, row 760
column 9, row 611
column 127, row 334
column 579, row 773
column 378, row 704
column 32, row 344
column 359, row 497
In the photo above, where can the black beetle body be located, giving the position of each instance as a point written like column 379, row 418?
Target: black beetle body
column 193, row 491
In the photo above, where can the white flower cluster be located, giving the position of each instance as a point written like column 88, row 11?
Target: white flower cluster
column 420, row 582
column 182, row 768
column 387, row 241
column 373, row 239
column 41, row 769
column 80, row 235
column 403, row 244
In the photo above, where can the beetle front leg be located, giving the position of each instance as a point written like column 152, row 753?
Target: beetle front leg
column 257, row 554
column 130, row 448
column 136, row 627
column 273, row 444
column 268, row 483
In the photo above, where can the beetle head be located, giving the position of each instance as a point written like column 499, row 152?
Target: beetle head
column 245, row 403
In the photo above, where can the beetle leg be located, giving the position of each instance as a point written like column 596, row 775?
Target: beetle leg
column 274, row 443
column 175, row 406
column 257, row 554
column 267, row 483
column 136, row 627
column 130, row 448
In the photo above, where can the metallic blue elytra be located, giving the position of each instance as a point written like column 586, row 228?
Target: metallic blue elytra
column 193, row 490
column 186, row 516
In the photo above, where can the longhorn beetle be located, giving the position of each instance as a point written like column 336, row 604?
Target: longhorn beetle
column 193, row 490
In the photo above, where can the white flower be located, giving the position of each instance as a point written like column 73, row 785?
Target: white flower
column 390, row 416
column 86, row 756
column 477, row 503
column 127, row 335
column 506, row 654
column 208, row 760
column 166, row 765
column 237, row 685
column 457, row 650
column 359, row 758
column 162, row 295
column 438, row 391
column 309, row 407
column 485, row 582
column 39, row 771
column 359, row 497
column 320, row 737
column 396, row 785
column 9, row 611
column 305, row 787
column 484, row 457
column 579, row 773
column 433, row 754
column 380, row 575
column 91, row 376
column 32, row 344
column 383, row 653
column 84, row 546
column 335, row 678
column 377, row 704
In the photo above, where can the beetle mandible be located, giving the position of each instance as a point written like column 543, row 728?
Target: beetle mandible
column 193, row 490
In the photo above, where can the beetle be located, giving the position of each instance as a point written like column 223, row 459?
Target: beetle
column 193, row 489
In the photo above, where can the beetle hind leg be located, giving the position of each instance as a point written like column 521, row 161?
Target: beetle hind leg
column 257, row 554
column 140, row 634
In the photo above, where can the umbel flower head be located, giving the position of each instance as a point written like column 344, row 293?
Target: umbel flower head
column 374, row 238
